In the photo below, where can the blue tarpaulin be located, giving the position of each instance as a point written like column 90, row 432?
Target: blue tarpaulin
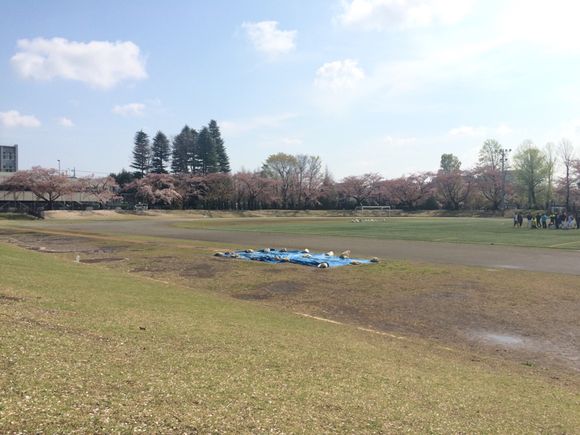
column 296, row 257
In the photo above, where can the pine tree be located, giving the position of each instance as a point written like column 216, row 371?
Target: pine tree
column 193, row 161
column 179, row 154
column 161, row 153
column 207, row 152
column 222, row 156
column 141, row 153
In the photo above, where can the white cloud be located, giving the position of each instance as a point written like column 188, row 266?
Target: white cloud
column 339, row 75
column 400, row 14
column 131, row 109
column 268, row 39
column 390, row 141
column 13, row 118
column 65, row 122
column 101, row 64
column 291, row 141
column 501, row 130
column 551, row 25
column 466, row 130
column 240, row 127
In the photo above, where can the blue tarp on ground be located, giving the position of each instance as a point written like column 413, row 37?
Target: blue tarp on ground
column 296, row 257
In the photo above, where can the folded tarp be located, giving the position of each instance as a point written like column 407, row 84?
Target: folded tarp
column 296, row 257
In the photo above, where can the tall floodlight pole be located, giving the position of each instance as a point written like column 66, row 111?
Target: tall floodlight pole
column 504, row 159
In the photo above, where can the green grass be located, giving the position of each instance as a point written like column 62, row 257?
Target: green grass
column 451, row 230
column 73, row 357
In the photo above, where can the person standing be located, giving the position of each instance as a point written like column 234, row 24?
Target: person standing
column 544, row 221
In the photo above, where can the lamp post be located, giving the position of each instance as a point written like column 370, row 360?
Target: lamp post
column 504, row 159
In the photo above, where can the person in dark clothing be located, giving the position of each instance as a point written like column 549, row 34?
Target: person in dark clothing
column 538, row 221
column 520, row 219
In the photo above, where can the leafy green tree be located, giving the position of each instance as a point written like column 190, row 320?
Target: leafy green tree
column 207, row 152
column 141, row 153
column 123, row 178
column 161, row 153
column 223, row 161
column 531, row 170
column 450, row 163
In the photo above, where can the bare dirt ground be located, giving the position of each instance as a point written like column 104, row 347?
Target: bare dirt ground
column 493, row 257
column 530, row 318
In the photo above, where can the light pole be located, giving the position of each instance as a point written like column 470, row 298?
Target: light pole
column 504, row 159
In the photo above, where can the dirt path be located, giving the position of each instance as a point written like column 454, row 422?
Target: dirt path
column 493, row 257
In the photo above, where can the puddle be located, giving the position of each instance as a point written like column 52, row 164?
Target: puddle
column 102, row 260
column 508, row 266
column 492, row 338
column 506, row 340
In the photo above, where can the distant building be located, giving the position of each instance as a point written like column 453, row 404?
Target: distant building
column 8, row 158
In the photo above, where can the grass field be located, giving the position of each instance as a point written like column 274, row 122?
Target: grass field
column 155, row 342
column 452, row 230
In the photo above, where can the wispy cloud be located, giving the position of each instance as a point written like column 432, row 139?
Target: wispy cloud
column 65, row 122
column 339, row 75
column 131, row 109
column 13, row 118
column 267, row 38
column 243, row 126
column 402, row 14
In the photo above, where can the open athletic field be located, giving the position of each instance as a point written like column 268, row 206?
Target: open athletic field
column 150, row 332
column 450, row 230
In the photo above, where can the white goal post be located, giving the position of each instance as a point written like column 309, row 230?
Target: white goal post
column 375, row 207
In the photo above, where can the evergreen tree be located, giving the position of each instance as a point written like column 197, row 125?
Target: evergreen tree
column 161, row 153
column 179, row 154
column 222, row 156
column 141, row 153
column 207, row 152
column 193, row 160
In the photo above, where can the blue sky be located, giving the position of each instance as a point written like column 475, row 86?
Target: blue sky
column 369, row 85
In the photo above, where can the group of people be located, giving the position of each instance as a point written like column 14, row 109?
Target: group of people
column 557, row 221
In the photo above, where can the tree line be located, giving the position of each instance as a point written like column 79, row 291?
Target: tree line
column 191, row 152
column 529, row 177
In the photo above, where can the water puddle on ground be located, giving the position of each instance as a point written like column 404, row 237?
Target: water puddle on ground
column 500, row 339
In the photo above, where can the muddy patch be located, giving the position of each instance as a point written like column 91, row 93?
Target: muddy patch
column 253, row 296
column 200, row 271
column 147, row 269
column 50, row 244
column 283, row 287
column 103, row 260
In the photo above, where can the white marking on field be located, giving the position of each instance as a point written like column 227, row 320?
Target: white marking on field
column 508, row 266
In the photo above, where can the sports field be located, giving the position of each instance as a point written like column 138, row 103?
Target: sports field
column 150, row 332
column 450, row 230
